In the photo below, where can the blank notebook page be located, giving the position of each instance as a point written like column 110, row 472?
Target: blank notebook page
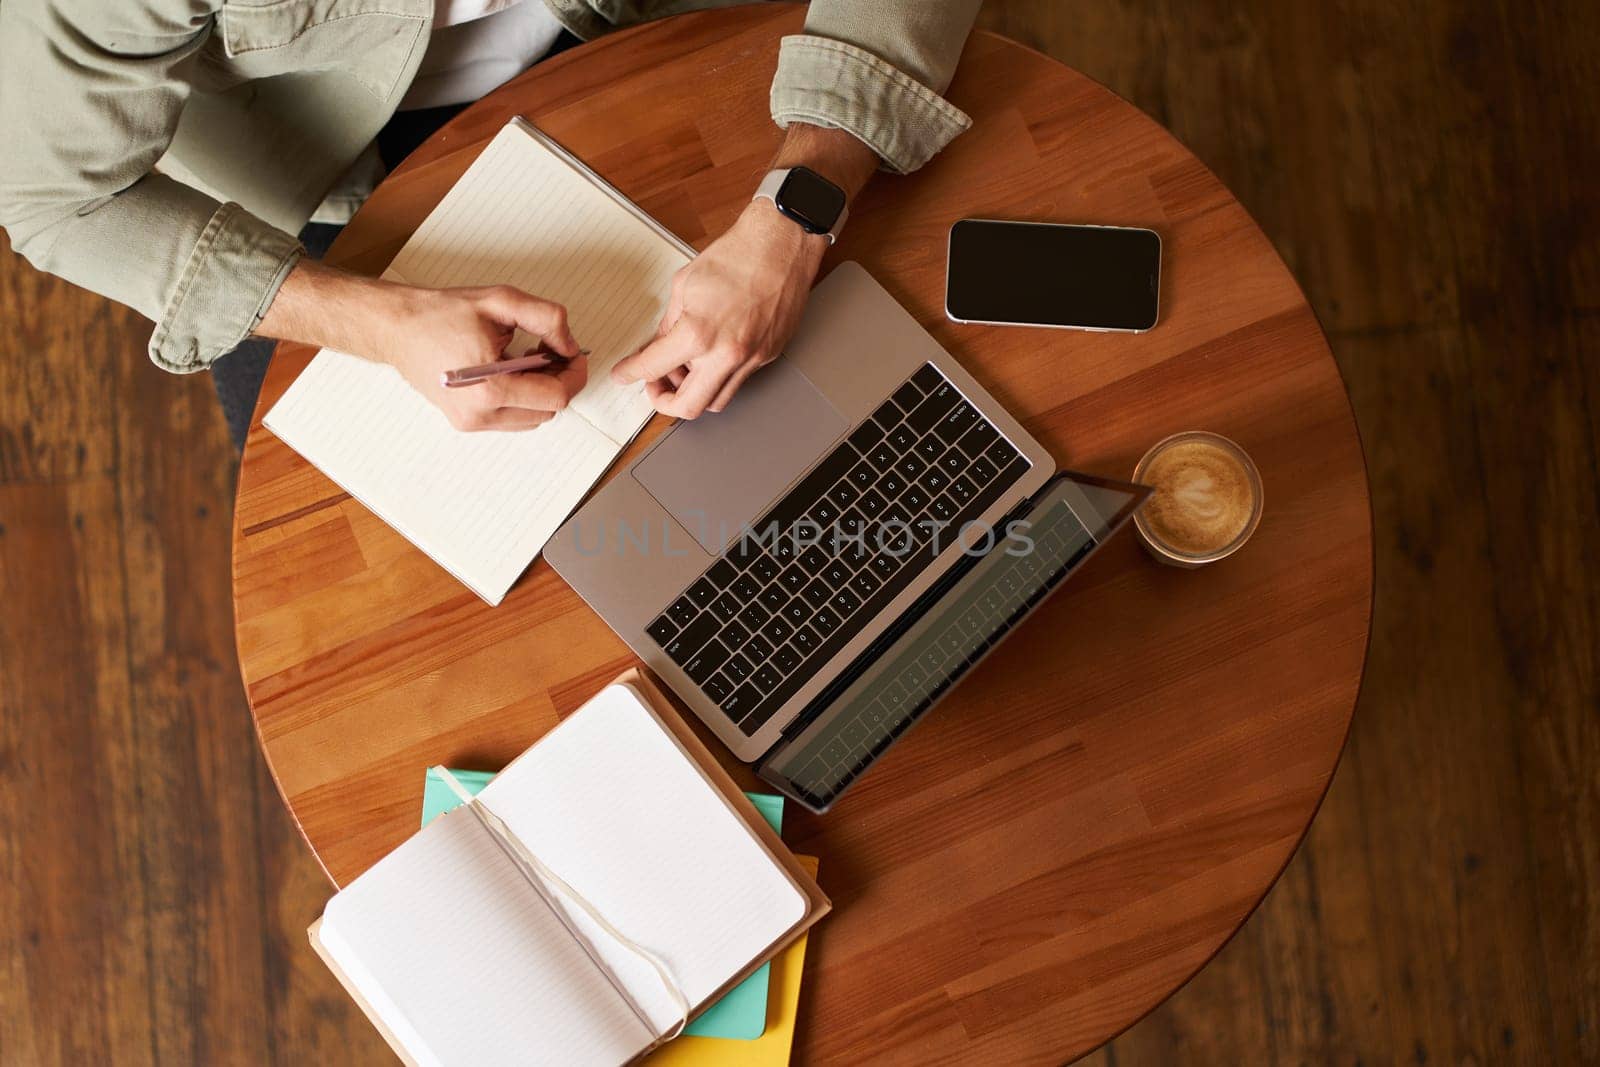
column 466, row 964
column 611, row 803
column 483, row 505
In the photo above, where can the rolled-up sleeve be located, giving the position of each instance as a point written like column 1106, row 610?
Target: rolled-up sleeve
column 89, row 100
column 877, row 71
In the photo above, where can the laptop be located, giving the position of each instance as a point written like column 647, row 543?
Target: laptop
column 813, row 568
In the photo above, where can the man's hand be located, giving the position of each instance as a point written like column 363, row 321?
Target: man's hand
column 424, row 332
column 435, row 330
column 731, row 310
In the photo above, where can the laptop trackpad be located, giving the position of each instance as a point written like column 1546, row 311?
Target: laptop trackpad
column 717, row 473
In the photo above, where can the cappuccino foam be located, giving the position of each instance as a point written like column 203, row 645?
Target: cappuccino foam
column 1203, row 497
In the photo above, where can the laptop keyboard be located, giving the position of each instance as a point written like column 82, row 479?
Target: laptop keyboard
column 830, row 556
column 916, row 672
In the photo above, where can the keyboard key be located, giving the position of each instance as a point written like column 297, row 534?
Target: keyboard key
column 956, row 422
column 845, row 603
column 944, row 509
column 823, row 513
column 784, row 549
column 825, row 622
column 843, row 495
column 930, row 448
column 887, row 416
column 903, row 439
column 754, row 616
column 910, row 466
column 928, row 378
column 884, row 565
column 865, row 584
column 774, row 597
column 891, row 485
column 882, row 456
column 745, row 587
column 855, row 552
column 757, row 649
column 914, row 500
column 871, row 504
column 717, row 688
column 850, row 525
column 1001, row 453
column 764, row 568
column 742, row 702
column 766, row 678
column 862, row 475
column 796, row 611
column 907, row 397
column 982, row 471
column 954, row 462
column 704, row 663
column 777, row 630
column 746, row 548
column 682, row 611
column 725, row 607
column 661, row 630
column 836, row 573
column 936, row 407
column 690, row 638
column 738, row 668
column 933, row 480
column 813, row 560
column 722, row 573
column 805, row 639
column 786, row 659
column 980, row 437
column 794, row 578
column 702, row 593
column 817, row 593
column 865, row 436
column 733, row 633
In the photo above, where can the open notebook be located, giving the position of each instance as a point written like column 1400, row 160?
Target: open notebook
column 461, row 957
column 528, row 214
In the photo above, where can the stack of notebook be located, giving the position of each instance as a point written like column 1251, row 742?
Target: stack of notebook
column 753, row 1024
column 628, row 884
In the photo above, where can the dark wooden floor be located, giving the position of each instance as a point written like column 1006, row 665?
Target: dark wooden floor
column 1430, row 173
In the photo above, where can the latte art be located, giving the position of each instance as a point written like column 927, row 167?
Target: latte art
column 1206, row 499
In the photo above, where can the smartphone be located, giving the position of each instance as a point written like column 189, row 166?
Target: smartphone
column 1048, row 274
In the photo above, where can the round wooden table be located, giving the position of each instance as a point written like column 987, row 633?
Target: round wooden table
column 1085, row 821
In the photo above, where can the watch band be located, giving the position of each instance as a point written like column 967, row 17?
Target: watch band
column 768, row 190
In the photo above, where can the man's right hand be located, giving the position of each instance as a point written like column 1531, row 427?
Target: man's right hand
column 424, row 332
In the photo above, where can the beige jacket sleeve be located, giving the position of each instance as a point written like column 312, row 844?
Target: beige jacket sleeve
column 876, row 68
column 89, row 100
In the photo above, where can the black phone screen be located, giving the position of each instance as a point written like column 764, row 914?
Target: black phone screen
column 1028, row 273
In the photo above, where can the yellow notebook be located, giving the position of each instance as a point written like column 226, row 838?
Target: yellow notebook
column 771, row 1049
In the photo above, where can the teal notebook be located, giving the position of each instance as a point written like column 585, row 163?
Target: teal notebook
column 742, row 1011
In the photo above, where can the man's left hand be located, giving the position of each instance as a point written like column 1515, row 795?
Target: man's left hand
column 731, row 311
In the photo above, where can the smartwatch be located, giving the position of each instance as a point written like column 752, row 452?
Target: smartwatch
column 807, row 197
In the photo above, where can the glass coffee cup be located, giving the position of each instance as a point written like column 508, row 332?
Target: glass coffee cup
column 1207, row 500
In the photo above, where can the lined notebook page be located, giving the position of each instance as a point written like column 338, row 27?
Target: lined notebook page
column 465, row 963
column 483, row 505
column 611, row 803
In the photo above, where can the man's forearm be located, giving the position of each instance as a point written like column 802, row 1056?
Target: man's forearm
column 321, row 305
column 838, row 156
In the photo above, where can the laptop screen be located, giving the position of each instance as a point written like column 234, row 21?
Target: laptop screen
column 942, row 637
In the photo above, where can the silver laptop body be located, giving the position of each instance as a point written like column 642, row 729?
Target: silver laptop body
column 643, row 549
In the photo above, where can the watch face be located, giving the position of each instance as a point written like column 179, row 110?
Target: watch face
column 810, row 199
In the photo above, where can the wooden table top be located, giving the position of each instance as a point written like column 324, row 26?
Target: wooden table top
column 1085, row 821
